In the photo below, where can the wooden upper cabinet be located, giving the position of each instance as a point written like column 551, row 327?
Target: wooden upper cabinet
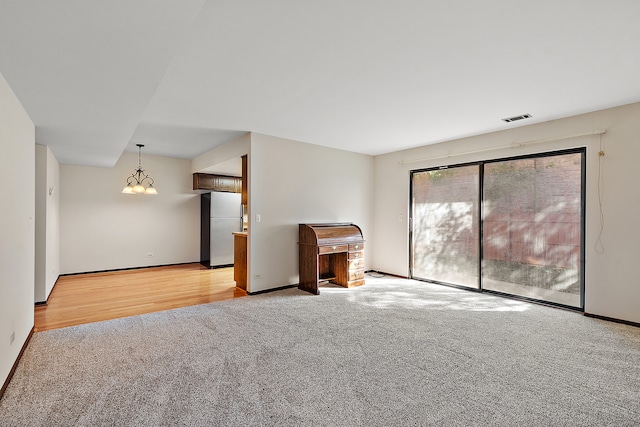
column 224, row 183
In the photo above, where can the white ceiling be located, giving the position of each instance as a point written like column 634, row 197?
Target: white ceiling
column 371, row 76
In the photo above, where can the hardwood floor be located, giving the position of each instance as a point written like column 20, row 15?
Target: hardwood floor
column 86, row 298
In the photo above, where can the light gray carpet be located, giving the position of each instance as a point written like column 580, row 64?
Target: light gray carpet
column 390, row 353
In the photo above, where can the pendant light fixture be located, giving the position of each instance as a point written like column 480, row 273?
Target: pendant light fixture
column 136, row 181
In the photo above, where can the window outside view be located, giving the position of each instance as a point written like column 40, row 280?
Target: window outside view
column 531, row 227
column 445, row 225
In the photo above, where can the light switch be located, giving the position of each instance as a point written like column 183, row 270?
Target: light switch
column 258, row 218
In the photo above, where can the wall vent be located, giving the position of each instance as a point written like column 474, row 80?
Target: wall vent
column 515, row 118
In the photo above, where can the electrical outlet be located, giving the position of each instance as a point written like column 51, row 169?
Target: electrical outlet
column 149, row 254
column 257, row 276
column 12, row 338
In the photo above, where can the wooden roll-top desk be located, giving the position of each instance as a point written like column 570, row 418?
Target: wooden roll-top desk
column 330, row 253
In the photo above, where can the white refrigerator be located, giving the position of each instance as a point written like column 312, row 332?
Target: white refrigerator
column 225, row 217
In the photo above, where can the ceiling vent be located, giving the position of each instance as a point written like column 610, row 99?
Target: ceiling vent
column 516, row 118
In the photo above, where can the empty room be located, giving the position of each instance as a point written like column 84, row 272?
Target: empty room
column 319, row 213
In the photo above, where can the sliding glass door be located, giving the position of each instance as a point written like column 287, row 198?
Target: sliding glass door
column 532, row 222
column 529, row 212
column 445, row 212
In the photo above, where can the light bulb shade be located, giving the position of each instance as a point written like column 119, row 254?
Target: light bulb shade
column 139, row 178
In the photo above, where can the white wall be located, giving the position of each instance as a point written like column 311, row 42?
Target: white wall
column 612, row 280
column 292, row 182
column 231, row 150
column 103, row 229
column 17, row 183
column 47, row 244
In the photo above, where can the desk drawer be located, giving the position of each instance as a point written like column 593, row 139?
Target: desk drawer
column 356, row 264
column 356, row 247
column 356, row 275
column 332, row 249
column 356, row 255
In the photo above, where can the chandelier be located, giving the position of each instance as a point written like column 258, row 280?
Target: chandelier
column 136, row 181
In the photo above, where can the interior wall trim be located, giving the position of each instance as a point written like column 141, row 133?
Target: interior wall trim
column 15, row 364
column 613, row 319
column 128, row 268
column 265, row 291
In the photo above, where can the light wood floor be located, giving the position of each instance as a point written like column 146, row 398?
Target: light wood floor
column 87, row 298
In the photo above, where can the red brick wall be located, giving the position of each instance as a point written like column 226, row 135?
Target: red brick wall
column 531, row 211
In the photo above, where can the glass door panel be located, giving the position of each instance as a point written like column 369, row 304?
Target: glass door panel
column 444, row 242
column 532, row 228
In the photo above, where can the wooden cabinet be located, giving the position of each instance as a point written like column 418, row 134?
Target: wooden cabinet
column 330, row 252
column 240, row 260
column 224, row 183
column 245, row 181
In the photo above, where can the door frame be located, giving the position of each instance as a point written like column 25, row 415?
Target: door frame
column 582, row 264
